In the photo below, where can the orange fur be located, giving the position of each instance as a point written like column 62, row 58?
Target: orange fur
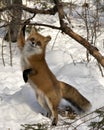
column 49, row 90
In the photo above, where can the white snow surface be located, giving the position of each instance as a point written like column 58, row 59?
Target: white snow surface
column 67, row 60
column 18, row 104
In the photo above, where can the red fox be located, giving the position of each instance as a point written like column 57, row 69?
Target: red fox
column 49, row 91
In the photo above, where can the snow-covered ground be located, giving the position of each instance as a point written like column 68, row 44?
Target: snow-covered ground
column 67, row 60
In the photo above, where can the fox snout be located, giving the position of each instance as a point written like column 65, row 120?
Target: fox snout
column 34, row 43
column 32, row 47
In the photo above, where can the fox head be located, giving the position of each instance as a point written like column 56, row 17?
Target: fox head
column 35, row 44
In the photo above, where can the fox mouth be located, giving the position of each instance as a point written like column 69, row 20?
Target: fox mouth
column 32, row 45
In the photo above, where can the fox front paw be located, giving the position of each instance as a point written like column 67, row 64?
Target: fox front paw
column 26, row 73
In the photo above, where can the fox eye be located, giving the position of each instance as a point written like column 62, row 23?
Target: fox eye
column 38, row 43
column 32, row 40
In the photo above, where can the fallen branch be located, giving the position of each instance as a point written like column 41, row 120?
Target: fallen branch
column 85, row 116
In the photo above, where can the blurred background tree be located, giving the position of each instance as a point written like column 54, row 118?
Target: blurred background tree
column 13, row 20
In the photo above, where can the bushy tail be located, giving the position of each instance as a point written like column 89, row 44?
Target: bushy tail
column 72, row 95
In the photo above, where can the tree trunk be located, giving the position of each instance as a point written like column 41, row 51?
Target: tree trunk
column 13, row 27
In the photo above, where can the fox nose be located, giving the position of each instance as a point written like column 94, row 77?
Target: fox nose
column 32, row 43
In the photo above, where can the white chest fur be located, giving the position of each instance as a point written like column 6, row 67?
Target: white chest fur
column 24, row 63
column 39, row 94
column 29, row 50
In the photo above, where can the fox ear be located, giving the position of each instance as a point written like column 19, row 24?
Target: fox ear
column 47, row 39
column 33, row 30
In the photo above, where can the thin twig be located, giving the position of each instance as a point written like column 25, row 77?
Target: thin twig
column 2, row 52
column 100, row 69
column 10, row 48
column 35, row 24
column 55, row 40
column 84, row 116
column 85, row 122
column 72, row 59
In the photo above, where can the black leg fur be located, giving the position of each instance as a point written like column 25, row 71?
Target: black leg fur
column 54, row 122
column 26, row 73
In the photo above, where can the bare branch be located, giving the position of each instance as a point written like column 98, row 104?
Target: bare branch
column 35, row 24
column 45, row 25
column 51, row 11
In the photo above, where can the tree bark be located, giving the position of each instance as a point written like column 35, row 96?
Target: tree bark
column 14, row 26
